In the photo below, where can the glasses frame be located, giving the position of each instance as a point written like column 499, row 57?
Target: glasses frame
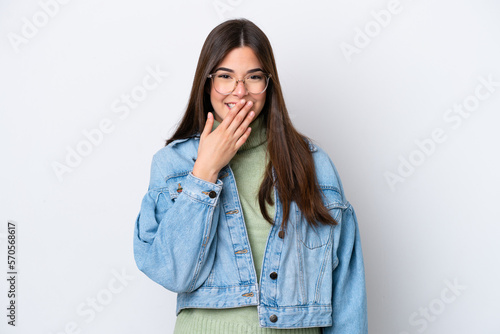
column 212, row 76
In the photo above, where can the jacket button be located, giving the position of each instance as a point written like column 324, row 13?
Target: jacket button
column 274, row 275
column 273, row 318
column 281, row 234
column 212, row 194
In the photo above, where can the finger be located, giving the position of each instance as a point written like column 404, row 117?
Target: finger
column 232, row 114
column 240, row 117
column 243, row 138
column 242, row 128
column 208, row 125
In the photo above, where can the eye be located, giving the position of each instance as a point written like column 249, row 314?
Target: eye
column 256, row 77
column 224, row 76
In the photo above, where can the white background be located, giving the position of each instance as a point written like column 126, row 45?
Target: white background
column 437, row 226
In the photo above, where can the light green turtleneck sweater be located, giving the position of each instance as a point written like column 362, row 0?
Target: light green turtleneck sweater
column 248, row 166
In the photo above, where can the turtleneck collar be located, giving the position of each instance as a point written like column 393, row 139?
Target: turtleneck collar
column 258, row 135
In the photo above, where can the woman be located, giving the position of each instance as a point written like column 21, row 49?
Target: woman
column 245, row 218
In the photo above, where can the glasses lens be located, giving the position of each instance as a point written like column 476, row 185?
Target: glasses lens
column 256, row 83
column 224, row 83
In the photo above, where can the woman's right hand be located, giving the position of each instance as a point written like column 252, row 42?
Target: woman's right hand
column 217, row 148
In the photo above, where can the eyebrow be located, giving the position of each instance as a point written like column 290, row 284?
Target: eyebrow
column 230, row 70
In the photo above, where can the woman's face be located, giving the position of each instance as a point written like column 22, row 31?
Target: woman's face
column 240, row 61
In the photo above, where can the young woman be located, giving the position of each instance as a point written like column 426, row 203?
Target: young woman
column 245, row 218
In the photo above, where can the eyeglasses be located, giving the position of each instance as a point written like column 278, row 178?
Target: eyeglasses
column 225, row 83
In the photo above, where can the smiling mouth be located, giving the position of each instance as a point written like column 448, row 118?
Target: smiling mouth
column 230, row 105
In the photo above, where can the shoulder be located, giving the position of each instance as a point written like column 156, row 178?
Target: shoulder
column 177, row 157
column 326, row 172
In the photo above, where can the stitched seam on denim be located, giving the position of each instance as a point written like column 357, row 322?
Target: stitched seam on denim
column 200, row 258
column 232, row 243
column 170, row 176
column 336, row 258
column 202, row 182
column 229, row 229
column 264, row 262
column 307, row 246
column 298, row 307
column 323, row 266
column 254, row 328
column 157, row 196
column 275, row 281
column 154, row 214
column 301, row 265
column 175, row 194
column 296, row 220
column 228, row 287
column 335, row 204
column 210, row 278
column 159, row 189
column 331, row 187
column 178, row 141
column 197, row 180
column 172, row 189
column 197, row 199
column 158, row 166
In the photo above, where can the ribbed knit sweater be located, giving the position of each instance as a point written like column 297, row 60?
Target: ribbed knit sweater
column 248, row 166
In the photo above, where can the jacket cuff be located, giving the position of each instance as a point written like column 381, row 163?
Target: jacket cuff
column 202, row 190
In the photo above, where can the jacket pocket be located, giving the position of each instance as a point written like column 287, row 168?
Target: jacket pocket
column 175, row 184
column 317, row 236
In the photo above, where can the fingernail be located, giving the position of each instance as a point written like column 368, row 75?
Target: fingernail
column 243, row 101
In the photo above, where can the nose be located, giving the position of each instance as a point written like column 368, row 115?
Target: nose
column 240, row 89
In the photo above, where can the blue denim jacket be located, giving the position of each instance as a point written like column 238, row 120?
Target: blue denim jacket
column 190, row 237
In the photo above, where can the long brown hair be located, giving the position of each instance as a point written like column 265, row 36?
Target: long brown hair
column 287, row 149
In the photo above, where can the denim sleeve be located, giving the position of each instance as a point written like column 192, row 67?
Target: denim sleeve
column 174, row 240
column 349, row 291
